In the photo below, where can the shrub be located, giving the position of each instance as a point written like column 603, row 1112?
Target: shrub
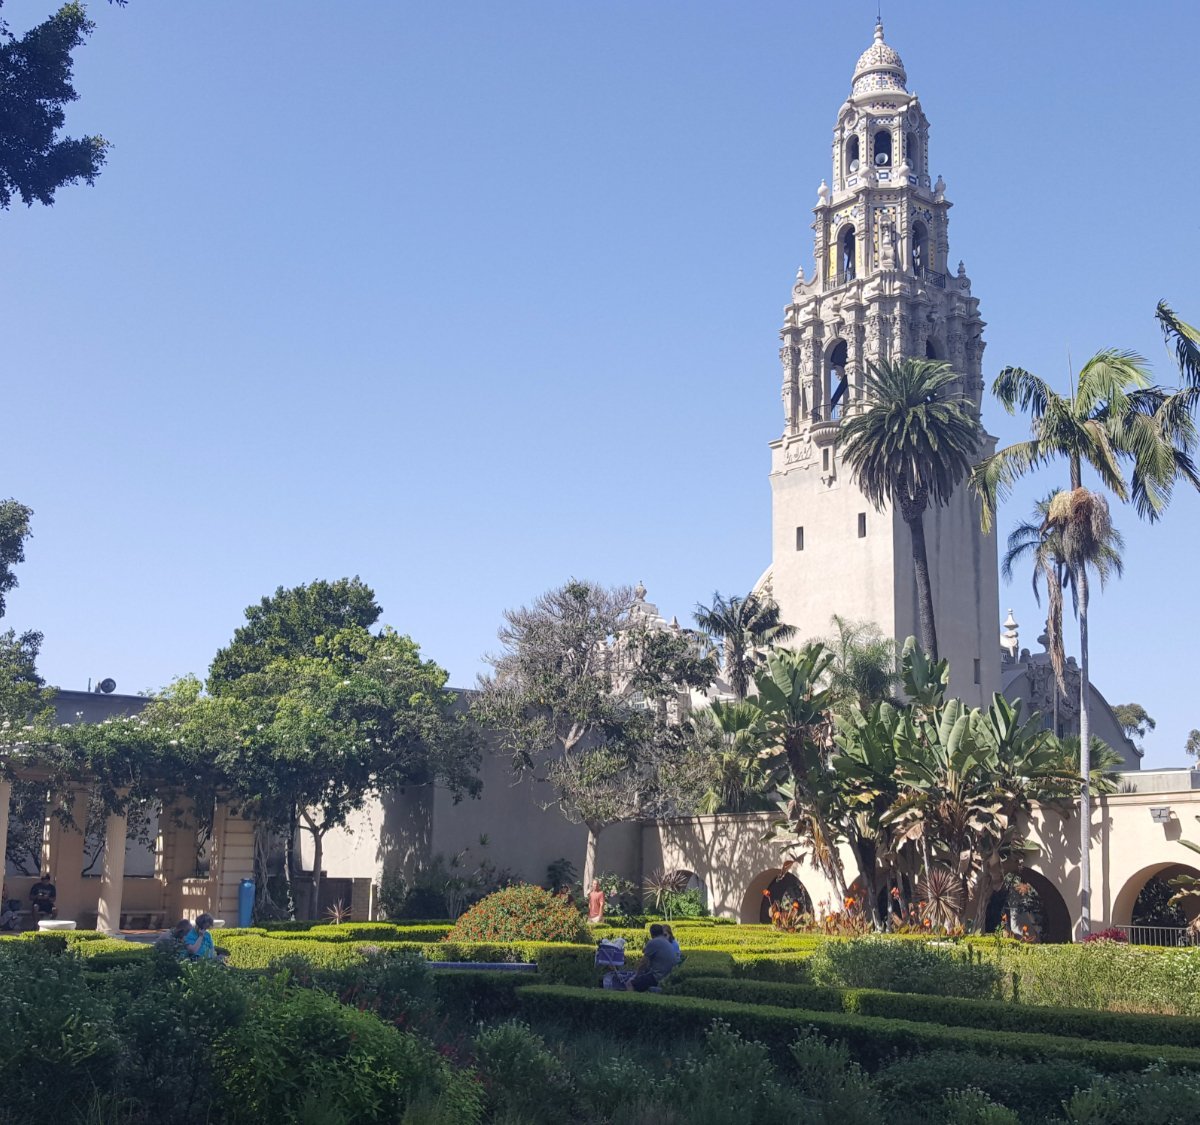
column 1113, row 933
column 792, row 968
column 827, row 1078
column 1154, row 1095
column 522, row 1078
column 869, row 1039
column 470, row 995
column 974, row 1107
column 952, row 1011
column 521, row 912
column 1033, row 1089
column 299, row 1048
column 398, row 987
column 1105, row 975
column 58, row 1043
column 898, row 966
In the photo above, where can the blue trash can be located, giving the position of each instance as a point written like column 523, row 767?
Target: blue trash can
column 246, row 902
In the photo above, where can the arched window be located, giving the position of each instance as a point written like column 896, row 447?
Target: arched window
column 851, row 155
column 930, row 350
column 848, row 254
column 835, row 381
column 912, row 153
column 920, row 248
column 883, row 149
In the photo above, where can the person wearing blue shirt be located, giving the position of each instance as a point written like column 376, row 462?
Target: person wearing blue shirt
column 199, row 942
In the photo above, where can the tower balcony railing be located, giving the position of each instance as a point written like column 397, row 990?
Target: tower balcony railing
column 842, row 277
column 827, row 413
column 937, row 280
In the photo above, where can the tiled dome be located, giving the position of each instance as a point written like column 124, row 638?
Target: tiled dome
column 879, row 67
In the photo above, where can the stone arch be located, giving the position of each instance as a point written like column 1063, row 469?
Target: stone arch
column 852, row 155
column 847, row 261
column 690, row 881
column 1127, row 896
column 776, row 882
column 919, row 255
column 834, row 384
column 882, row 148
column 1055, row 920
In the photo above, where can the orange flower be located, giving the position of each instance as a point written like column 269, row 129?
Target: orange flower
column 927, row 922
column 766, row 894
column 895, row 892
column 849, row 903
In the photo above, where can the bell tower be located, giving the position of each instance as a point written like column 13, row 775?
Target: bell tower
column 882, row 289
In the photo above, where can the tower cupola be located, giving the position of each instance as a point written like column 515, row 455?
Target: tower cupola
column 879, row 68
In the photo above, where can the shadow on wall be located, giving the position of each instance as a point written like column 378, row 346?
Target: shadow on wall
column 406, row 831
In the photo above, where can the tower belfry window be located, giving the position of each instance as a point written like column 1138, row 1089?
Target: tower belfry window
column 912, row 154
column 835, row 381
column 883, row 149
column 851, row 155
column 849, row 250
column 920, row 248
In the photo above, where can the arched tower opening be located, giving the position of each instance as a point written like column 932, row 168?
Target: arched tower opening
column 883, row 148
column 834, row 391
column 912, row 152
column 852, row 155
column 920, row 247
column 847, row 253
column 931, row 348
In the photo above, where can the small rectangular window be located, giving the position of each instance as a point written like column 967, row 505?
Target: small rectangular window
column 978, row 677
column 862, row 525
column 825, row 460
column 799, row 539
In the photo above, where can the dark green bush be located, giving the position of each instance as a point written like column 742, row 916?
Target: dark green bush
column 952, row 1011
column 870, row 1040
column 522, row 1078
column 297, row 1045
column 1031, row 1088
column 469, row 995
column 58, row 1043
column 521, row 912
column 1154, row 1095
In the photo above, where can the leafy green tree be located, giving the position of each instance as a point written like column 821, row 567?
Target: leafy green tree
column 1134, row 720
column 15, row 531
column 290, row 622
column 742, row 629
column 317, row 714
column 1192, row 746
column 581, row 696
column 728, row 739
column 911, row 445
column 36, row 77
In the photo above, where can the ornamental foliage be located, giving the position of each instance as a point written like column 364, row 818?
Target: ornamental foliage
column 521, row 912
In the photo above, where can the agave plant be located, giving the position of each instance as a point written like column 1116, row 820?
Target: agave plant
column 941, row 892
column 660, row 887
column 338, row 913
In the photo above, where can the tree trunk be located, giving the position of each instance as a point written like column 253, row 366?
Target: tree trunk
column 589, row 861
column 314, row 890
column 916, row 528
column 1085, row 764
column 291, row 862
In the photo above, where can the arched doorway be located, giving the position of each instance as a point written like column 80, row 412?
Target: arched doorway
column 1142, row 903
column 775, row 886
column 1028, row 898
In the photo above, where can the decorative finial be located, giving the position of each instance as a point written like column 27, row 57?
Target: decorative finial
column 1009, row 640
column 939, row 188
column 879, row 29
column 962, row 272
column 639, row 592
column 823, row 194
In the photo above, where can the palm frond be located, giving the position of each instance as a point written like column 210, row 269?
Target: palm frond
column 1184, row 339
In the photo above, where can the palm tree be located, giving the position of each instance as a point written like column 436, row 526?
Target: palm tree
column 1113, row 416
column 1034, row 538
column 912, row 444
column 742, row 628
column 865, row 665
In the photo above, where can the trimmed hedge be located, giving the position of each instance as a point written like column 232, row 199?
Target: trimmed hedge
column 470, row 995
column 871, row 1041
column 953, row 1011
column 790, row 967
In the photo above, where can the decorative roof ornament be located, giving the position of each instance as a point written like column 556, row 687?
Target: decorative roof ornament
column 823, row 195
column 939, row 189
column 879, row 68
column 639, row 592
column 1009, row 639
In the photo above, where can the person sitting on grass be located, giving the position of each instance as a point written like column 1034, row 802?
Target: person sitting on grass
column 41, row 897
column 658, row 959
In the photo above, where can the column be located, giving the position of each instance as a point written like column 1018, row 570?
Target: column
column 112, row 877
column 5, row 801
column 63, row 858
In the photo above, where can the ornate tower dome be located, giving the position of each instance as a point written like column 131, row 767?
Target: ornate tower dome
column 879, row 68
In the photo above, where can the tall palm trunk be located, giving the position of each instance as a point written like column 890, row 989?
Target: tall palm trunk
column 1085, row 763
column 914, row 516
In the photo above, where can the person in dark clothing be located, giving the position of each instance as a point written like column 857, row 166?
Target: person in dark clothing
column 41, row 897
column 658, row 959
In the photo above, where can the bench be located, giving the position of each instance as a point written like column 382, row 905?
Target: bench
column 143, row 919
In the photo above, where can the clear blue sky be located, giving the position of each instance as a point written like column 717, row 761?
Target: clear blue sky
column 470, row 298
